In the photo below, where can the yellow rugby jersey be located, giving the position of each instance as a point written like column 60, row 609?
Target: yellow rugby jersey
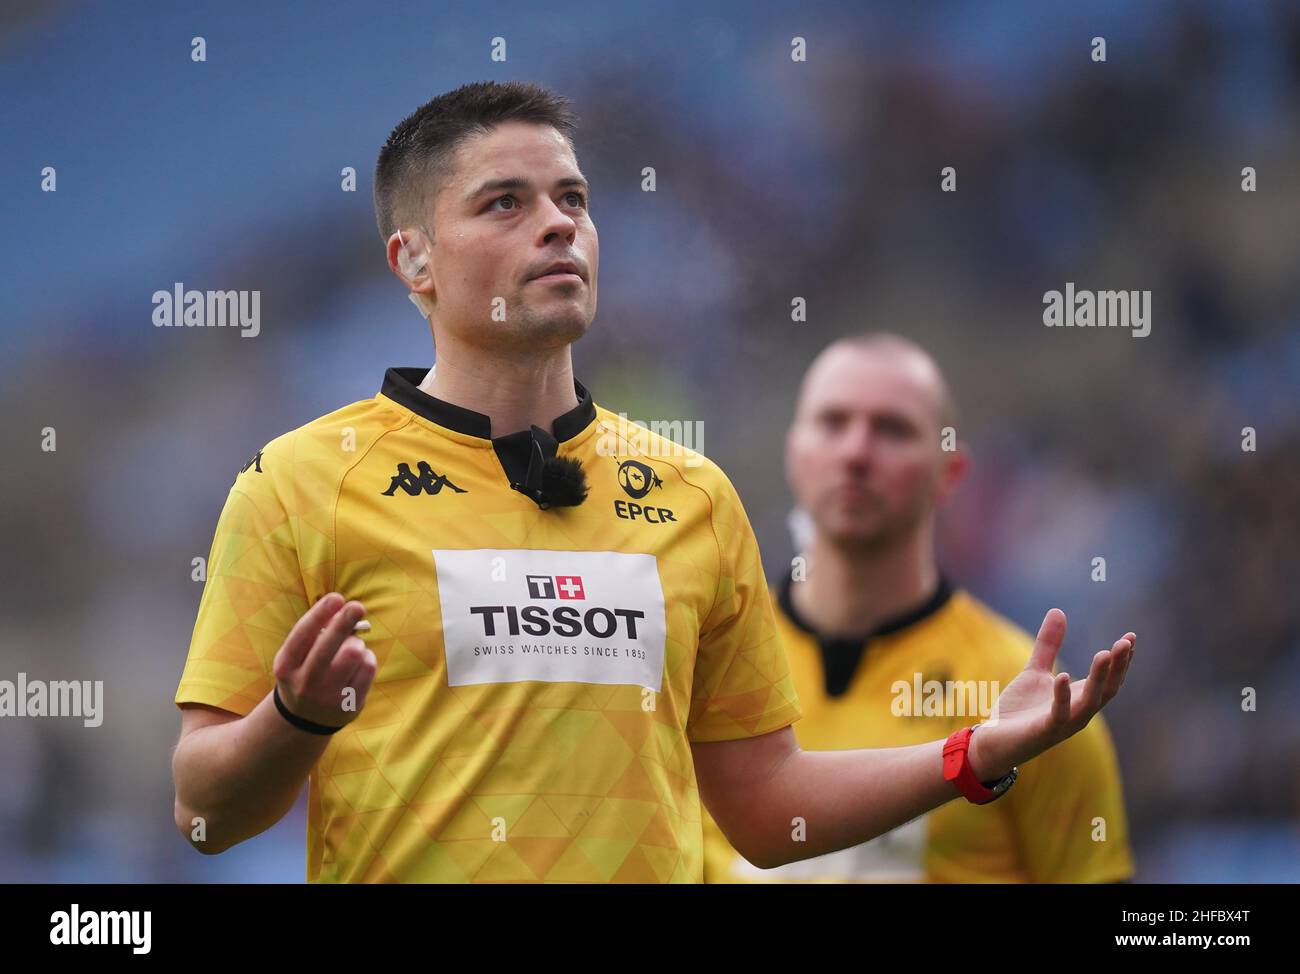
column 542, row 673
column 889, row 691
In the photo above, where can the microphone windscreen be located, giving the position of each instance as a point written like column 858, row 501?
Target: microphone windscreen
column 564, row 482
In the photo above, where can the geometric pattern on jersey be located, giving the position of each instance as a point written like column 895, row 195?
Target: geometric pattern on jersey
column 558, row 765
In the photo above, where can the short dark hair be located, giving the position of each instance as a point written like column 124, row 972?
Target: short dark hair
column 418, row 156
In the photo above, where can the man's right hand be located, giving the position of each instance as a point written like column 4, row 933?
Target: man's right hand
column 321, row 661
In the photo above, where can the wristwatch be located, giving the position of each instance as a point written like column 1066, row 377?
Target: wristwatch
column 957, row 769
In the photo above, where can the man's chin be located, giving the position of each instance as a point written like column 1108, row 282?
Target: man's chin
column 556, row 329
column 529, row 332
column 858, row 536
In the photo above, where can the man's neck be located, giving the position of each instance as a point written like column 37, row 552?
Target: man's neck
column 850, row 592
column 514, row 395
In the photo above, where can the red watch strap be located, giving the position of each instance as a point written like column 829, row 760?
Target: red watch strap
column 957, row 769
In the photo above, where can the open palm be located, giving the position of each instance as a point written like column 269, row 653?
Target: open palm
column 1039, row 709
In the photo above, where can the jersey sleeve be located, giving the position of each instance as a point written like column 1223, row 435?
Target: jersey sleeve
column 742, row 684
column 253, row 595
column 1069, row 815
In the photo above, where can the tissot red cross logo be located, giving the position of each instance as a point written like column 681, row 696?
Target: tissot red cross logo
column 570, row 586
column 553, row 586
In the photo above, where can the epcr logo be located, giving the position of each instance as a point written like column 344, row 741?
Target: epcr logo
column 637, row 478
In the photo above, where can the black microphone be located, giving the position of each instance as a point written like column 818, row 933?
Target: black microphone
column 564, row 483
column 552, row 481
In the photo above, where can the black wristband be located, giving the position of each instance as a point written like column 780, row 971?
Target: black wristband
column 298, row 722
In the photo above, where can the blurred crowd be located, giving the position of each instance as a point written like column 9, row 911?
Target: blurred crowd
column 775, row 179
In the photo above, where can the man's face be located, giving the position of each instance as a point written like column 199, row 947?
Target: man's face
column 516, row 203
column 863, row 455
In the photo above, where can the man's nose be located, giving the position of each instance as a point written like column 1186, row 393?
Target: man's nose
column 857, row 445
column 555, row 222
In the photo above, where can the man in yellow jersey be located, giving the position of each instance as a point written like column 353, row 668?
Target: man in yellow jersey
column 886, row 652
column 569, row 639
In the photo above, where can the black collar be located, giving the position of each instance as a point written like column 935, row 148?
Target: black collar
column 841, row 655
column 519, row 452
column 402, row 385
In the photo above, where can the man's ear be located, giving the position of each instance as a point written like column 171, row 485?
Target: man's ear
column 412, row 256
column 409, row 256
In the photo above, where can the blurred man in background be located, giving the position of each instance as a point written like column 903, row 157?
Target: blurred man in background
column 881, row 644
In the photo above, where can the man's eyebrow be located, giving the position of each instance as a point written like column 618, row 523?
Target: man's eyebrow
column 519, row 182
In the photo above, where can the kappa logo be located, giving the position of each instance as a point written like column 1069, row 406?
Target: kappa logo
column 427, row 481
column 254, row 461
